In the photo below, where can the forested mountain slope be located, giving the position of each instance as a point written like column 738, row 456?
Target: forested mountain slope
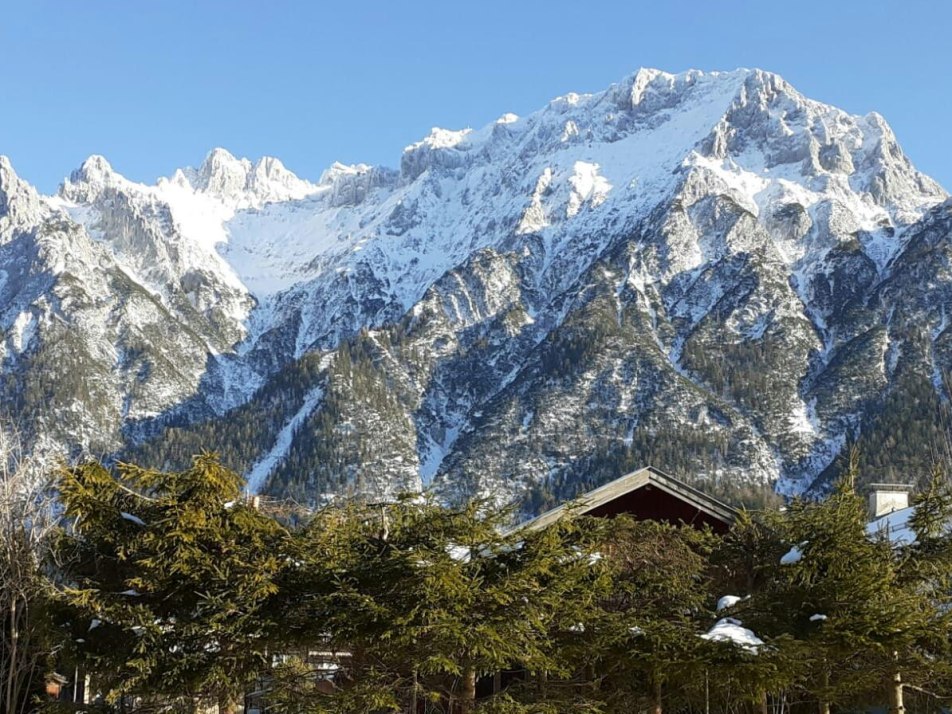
column 708, row 272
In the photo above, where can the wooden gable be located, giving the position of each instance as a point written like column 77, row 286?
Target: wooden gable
column 648, row 494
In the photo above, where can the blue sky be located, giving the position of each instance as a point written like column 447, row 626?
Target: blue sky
column 155, row 85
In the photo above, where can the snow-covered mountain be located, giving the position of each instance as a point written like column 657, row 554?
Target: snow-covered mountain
column 705, row 271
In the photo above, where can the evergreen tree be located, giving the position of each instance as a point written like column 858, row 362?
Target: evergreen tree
column 649, row 647
column 427, row 600
column 170, row 576
column 839, row 591
column 744, row 566
column 924, row 558
column 745, row 558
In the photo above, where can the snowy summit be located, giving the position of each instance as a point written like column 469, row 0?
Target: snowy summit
column 676, row 225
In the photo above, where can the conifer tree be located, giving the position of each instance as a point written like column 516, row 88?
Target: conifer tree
column 839, row 592
column 930, row 549
column 168, row 582
column 427, row 600
column 923, row 552
column 744, row 565
column 744, row 559
column 649, row 648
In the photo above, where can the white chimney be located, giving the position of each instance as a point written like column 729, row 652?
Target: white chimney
column 887, row 497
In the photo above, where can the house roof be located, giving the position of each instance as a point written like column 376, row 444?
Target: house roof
column 633, row 481
column 895, row 526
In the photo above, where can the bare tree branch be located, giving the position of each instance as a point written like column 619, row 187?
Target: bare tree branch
column 27, row 525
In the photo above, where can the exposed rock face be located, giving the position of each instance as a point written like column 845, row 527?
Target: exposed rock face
column 705, row 271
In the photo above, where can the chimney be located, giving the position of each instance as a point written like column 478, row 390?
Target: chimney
column 887, row 497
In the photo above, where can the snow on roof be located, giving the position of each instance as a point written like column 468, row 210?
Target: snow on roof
column 895, row 526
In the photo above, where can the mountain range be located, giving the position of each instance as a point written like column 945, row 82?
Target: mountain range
column 705, row 271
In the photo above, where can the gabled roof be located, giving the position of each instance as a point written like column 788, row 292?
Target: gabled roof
column 632, row 482
column 894, row 526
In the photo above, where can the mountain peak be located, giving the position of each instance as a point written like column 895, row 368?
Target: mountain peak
column 222, row 174
column 94, row 170
column 440, row 138
column 238, row 182
column 90, row 179
column 673, row 224
column 219, row 154
column 271, row 180
column 269, row 165
column 649, row 91
column 338, row 170
column 18, row 200
column 7, row 175
column 351, row 183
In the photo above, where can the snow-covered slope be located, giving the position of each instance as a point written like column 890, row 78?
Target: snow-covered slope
column 696, row 269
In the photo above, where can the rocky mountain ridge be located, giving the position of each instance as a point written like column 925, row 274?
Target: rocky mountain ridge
column 705, row 271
